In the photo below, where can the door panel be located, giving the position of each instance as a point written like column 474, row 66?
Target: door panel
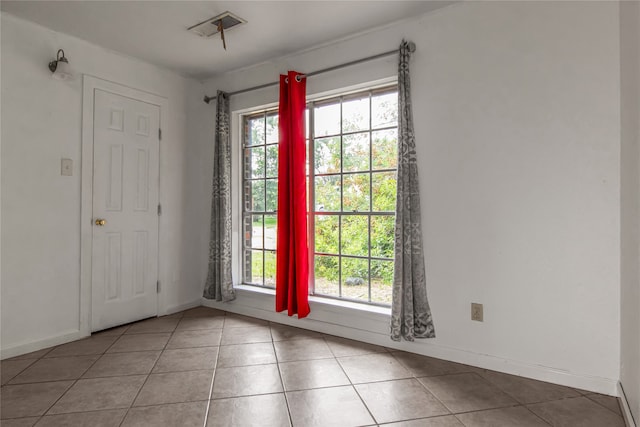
column 125, row 195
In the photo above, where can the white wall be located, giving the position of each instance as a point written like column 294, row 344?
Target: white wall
column 517, row 110
column 41, row 120
column 630, row 211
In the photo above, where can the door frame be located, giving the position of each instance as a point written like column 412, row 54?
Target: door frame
column 89, row 86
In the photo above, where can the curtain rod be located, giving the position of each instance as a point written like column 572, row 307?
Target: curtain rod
column 412, row 48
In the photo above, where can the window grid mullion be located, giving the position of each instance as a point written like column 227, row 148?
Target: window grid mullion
column 353, row 132
column 355, row 172
column 375, row 258
column 341, row 205
column 341, row 214
column 370, row 191
column 312, row 202
column 264, row 208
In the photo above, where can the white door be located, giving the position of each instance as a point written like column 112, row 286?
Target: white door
column 125, row 210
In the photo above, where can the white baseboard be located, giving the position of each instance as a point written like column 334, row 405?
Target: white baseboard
column 181, row 307
column 371, row 325
column 626, row 409
column 20, row 349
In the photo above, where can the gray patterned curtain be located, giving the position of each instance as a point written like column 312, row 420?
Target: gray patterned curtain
column 410, row 312
column 219, row 284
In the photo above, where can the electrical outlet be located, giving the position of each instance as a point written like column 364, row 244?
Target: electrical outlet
column 66, row 167
column 477, row 312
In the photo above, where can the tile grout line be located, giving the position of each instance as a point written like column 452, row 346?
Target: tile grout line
column 33, row 361
column 498, row 386
column 73, row 381
column 149, row 374
column 451, row 412
column 40, row 382
column 284, row 389
column 605, row 407
column 352, row 385
column 536, row 415
column 77, row 379
column 171, row 334
column 213, row 376
column 428, row 391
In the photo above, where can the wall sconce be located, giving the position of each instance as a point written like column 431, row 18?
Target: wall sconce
column 60, row 67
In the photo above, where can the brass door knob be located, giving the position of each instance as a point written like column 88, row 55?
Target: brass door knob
column 101, row 222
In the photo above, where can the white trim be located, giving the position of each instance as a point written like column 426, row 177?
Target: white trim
column 181, row 307
column 20, row 349
column 89, row 85
column 372, row 327
column 626, row 409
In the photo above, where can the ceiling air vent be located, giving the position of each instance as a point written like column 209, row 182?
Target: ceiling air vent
column 211, row 26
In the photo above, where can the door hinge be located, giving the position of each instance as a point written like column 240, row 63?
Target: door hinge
column 160, row 134
column 158, row 286
column 159, row 209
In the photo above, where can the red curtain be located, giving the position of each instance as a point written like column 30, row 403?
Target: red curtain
column 292, row 254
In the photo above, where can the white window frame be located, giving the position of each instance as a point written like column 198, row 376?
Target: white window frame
column 238, row 204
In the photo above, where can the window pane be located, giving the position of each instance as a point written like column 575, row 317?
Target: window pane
column 355, row 278
column 327, row 155
column 255, row 131
column 355, row 114
column 272, row 161
column 269, row 268
column 256, row 232
column 257, row 196
column 272, row 195
column 256, row 268
column 356, row 152
column 384, row 191
column 327, row 193
column 381, row 281
column 256, row 162
column 272, row 128
column 326, row 120
column 355, row 235
column 327, row 275
column 270, row 232
column 326, row 235
column 385, row 149
column 356, row 192
column 384, row 109
column 382, row 235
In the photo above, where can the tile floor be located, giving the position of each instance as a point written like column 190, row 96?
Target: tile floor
column 205, row 367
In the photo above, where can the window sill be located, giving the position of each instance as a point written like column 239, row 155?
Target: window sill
column 320, row 302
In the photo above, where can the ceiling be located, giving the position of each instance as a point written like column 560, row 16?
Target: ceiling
column 156, row 31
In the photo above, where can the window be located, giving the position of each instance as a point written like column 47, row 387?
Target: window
column 352, row 182
column 260, row 198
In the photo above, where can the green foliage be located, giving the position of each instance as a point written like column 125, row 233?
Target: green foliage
column 262, row 162
column 326, row 268
column 269, row 269
column 326, row 236
column 382, row 236
column 355, row 235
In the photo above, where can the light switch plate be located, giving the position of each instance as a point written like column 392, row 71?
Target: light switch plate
column 477, row 312
column 66, row 167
